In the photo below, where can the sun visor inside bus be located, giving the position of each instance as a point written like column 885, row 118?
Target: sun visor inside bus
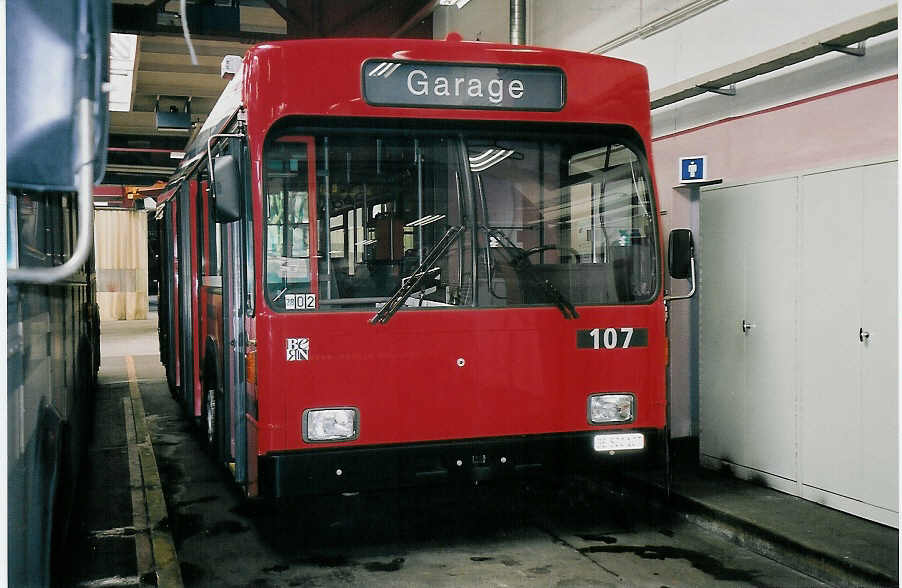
column 45, row 79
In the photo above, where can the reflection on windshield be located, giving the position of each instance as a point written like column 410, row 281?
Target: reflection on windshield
column 580, row 219
column 554, row 222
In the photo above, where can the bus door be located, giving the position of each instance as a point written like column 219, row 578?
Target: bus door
column 235, row 239
column 168, row 283
column 174, row 372
column 186, row 297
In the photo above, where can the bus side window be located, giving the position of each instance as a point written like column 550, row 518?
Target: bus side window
column 287, row 223
column 32, row 236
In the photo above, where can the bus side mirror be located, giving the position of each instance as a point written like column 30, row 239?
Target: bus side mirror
column 57, row 56
column 681, row 260
column 680, row 252
column 227, row 188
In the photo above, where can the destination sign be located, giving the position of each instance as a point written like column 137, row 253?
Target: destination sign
column 415, row 84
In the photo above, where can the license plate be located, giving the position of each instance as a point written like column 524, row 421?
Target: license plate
column 619, row 441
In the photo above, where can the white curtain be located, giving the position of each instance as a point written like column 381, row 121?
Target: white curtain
column 120, row 248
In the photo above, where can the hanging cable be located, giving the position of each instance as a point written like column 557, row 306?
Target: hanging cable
column 187, row 33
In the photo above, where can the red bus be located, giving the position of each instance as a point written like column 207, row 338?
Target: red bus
column 391, row 262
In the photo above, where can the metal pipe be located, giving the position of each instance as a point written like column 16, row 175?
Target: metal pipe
column 518, row 22
column 84, row 244
column 419, row 160
column 594, row 229
column 691, row 292
column 328, row 220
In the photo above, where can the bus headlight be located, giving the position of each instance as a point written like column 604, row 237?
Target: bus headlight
column 330, row 424
column 611, row 408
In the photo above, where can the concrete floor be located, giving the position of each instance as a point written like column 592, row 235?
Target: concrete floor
column 120, row 338
column 577, row 531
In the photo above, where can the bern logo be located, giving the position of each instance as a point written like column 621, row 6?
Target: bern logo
column 297, row 349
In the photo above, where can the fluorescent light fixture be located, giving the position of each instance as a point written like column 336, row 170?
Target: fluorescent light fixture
column 425, row 220
column 176, row 155
column 123, row 50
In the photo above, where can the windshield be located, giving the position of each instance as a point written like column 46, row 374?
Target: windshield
column 351, row 217
column 577, row 216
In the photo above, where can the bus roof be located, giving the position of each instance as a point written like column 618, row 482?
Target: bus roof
column 324, row 78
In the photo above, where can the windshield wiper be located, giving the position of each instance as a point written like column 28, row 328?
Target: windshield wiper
column 520, row 263
column 412, row 283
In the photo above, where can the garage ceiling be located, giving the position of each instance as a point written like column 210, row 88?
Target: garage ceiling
column 163, row 76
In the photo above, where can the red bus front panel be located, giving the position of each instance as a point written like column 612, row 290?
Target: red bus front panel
column 443, row 375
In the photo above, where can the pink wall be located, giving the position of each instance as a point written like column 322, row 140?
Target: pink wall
column 846, row 126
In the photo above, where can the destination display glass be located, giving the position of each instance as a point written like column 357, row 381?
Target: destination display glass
column 416, row 84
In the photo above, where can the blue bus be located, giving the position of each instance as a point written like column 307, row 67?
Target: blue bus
column 57, row 61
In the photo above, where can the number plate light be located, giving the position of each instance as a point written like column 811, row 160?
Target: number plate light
column 611, row 408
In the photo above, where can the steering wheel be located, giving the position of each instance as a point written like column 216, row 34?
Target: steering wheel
column 533, row 250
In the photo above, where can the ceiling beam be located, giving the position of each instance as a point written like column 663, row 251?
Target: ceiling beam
column 135, row 71
column 179, row 68
column 245, row 37
column 124, row 168
column 173, row 45
column 292, row 18
column 414, row 20
column 164, row 88
column 355, row 17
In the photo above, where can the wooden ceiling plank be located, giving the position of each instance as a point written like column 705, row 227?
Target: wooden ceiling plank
column 179, row 68
column 176, row 45
column 135, row 71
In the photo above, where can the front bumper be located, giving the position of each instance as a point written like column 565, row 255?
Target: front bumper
column 355, row 468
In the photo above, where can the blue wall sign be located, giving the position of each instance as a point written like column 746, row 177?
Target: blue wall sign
column 693, row 169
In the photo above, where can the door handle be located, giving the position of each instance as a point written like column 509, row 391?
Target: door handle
column 747, row 326
column 863, row 335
